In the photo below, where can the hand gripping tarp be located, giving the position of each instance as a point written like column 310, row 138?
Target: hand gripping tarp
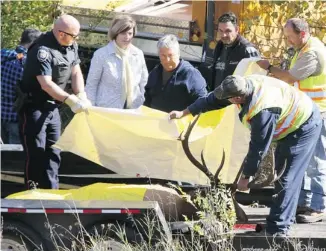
column 143, row 143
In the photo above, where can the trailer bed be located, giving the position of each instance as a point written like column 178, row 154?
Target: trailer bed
column 301, row 236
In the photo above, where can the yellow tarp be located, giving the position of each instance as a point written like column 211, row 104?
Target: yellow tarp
column 98, row 191
column 173, row 206
column 143, row 142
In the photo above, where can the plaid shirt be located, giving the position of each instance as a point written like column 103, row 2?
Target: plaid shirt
column 12, row 66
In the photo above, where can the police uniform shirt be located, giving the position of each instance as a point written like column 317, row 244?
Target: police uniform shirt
column 48, row 58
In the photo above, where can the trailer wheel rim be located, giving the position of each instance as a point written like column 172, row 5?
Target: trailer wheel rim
column 9, row 244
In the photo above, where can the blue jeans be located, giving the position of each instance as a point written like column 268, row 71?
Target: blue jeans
column 41, row 128
column 10, row 132
column 313, row 193
column 296, row 149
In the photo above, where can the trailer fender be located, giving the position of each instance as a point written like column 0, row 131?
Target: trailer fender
column 17, row 236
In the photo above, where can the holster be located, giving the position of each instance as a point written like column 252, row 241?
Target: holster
column 21, row 99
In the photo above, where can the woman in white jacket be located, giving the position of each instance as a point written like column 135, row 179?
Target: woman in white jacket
column 118, row 72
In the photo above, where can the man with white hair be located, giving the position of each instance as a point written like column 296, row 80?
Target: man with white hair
column 51, row 62
column 175, row 83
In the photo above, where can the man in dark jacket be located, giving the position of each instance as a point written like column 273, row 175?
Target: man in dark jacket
column 12, row 67
column 174, row 84
column 229, row 51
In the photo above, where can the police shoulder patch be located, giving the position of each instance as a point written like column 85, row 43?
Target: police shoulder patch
column 42, row 55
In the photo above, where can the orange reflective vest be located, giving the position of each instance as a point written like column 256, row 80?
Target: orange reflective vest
column 269, row 92
column 313, row 86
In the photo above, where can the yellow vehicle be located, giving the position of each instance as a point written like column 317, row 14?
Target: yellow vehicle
column 193, row 22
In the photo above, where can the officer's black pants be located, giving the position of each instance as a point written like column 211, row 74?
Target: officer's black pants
column 41, row 128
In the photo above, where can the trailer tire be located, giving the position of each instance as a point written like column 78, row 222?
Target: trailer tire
column 106, row 234
column 17, row 236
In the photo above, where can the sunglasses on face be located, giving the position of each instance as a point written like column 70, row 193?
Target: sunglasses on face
column 69, row 34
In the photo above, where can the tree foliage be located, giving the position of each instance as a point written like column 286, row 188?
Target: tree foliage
column 19, row 15
column 263, row 21
column 98, row 4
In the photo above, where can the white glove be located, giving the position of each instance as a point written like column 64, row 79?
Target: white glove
column 77, row 105
column 83, row 97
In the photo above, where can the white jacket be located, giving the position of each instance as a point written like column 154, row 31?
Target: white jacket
column 103, row 84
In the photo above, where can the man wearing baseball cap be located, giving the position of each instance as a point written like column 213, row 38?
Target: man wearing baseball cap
column 273, row 111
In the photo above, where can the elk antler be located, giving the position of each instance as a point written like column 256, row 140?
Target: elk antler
column 201, row 166
column 241, row 215
column 271, row 179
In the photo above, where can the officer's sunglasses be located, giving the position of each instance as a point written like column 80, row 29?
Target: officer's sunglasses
column 73, row 36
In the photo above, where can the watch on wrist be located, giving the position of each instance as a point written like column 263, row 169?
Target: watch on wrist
column 269, row 68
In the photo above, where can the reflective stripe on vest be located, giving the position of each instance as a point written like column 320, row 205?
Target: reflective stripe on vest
column 296, row 107
column 313, row 86
column 315, row 94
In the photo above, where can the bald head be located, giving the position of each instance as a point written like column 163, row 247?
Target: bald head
column 66, row 23
column 66, row 29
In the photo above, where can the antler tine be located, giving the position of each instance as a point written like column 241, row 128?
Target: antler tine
column 240, row 213
column 185, row 145
column 185, row 136
column 253, row 185
column 237, row 178
column 215, row 179
column 219, row 167
column 279, row 175
column 202, row 158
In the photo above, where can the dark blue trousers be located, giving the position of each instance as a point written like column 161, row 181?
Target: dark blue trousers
column 296, row 149
column 41, row 128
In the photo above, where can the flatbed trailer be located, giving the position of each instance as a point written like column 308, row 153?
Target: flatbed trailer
column 53, row 224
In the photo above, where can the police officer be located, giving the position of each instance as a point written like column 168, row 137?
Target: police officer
column 51, row 61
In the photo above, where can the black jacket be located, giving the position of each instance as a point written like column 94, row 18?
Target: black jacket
column 240, row 49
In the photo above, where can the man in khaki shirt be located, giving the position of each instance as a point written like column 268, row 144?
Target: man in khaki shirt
column 307, row 72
